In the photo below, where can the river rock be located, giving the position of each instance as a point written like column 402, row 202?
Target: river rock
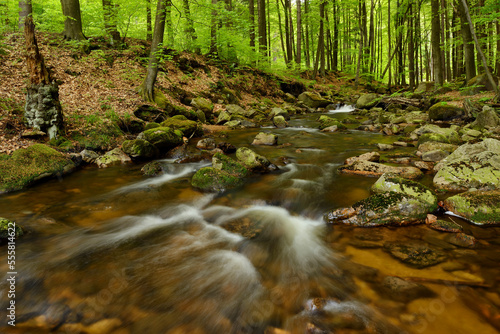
column 369, row 168
column 462, row 240
column 313, row 100
column 227, row 148
column 435, row 156
column 400, row 290
column 163, row 138
column 416, row 255
column 279, row 122
column 370, row 156
column 113, row 157
column 443, row 111
column 383, row 209
column 443, row 225
column 89, row 156
column 214, row 180
column 187, row 127
column 424, row 165
column 264, row 138
column 471, row 135
column 470, row 166
column 28, row 165
column 481, row 207
column 234, row 109
column 205, row 105
column 139, row 149
column 279, row 112
column 393, row 183
column 325, row 122
column 385, row 147
column 432, row 132
column 425, row 87
column 206, row 144
column 153, row 168
column 433, row 146
column 223, row 162
column 487, row 118
column 5, row 224
column 150, row 114
column 252, row 160
column 367, row 101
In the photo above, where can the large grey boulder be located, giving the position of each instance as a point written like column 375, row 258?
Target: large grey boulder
column 432, row 132
column 486, row 118
column 113, row 157
column 43, row 110
column 444, row 111
column 369, row 168
column 264, row 138
column 367, row 101
column 480, row 207
column 205, row 105
column 313, row 100
column 470, row 166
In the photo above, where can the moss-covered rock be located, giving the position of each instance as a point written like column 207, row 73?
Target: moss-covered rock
column 205, row 105
column 150, row 114
column 215, row 180
column 31, row 164
column 150, row 126
column 483, row 208
column 279, row 122
column 15, row 231
column 264, row 138
column 367, row 101
column 470, row 166
column 443, row 111
column 368, row 168
column 139, row 149
column 486, row 118
column 389, row 208
column 152, row 168
column 187, row 127
column 313, row 100
column 326, row 122
column 425, row 87
column 279, row 112
column 390, row 182
column 445, row 226
column 415, row 255
column 223, row 162
column 432, row 132
column 163, row 138
column 429, row 146
column 113, row 157
column 252, row 160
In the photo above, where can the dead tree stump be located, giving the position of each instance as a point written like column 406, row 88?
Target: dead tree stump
column 43, row 110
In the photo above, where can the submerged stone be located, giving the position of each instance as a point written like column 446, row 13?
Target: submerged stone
column 415, row 255
column 153, row 168
column 214, row 180
column 444, row 226
column 264, row 138
column 403, row 291
column 9, row 229
column 480, row 207
column 326, row 122
column 369, row 168
column 252, row 160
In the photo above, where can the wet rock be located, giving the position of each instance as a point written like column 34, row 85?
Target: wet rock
column 163, row 138
column 113, row 157
column 252, row 160
column 313, row 100
column 234, row 109
column 443, row 111
column 187, row 127
column 400, row 290
column 206, row 144
column 370, row 156
column 89, row 156
column 385, row 147
column 153, row 168
column 434, row 133
column 487, row 118
column 279, row 122
column 416, row 255
column 366, row 101
column 376, row 169
column 435, row 156
column 425, row 87
column 225, row 163
column 433, row 146
column 264, row 138
column 279, row 112
column 470, row 166
column 214, row 180
column 205, row 105
column 139, row 149
column 481, row 207
column 381, row 210
column 227, row 148
column 480, row 83
column 462, row 240
column 150, row 114
column 423, row 165
column 5, row 234
column 332, row 128
column 325, row 122
column 393, row 183
column 186, row 153
column 443, row 225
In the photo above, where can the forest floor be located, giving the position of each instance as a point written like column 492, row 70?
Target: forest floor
column 98, row 85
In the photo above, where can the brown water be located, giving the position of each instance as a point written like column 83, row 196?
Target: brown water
column 110, row 251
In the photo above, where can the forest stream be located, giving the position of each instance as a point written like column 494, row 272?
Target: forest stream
column 110, row 251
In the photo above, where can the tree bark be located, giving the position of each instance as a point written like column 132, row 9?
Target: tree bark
column 42, row 110
column 411, row 48
column 73, row 22
column 436, row 43
column 320, row 52
column 498, row 50
column 149, row 32
column 251, row 11
column 261, row 9
column 213, row 30
column 146, row 90
column 109, row 10
column 469, row 57
column 298, row 55
column 190, row 31
column 168, row 22
column 25, row 9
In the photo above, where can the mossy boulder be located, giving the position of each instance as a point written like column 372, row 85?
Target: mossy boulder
column 163, row 138
column 215, row 180
column 443, row 111
column 415, row 254
column 264, row 138
column 425, row 87
column 480, row 83
column 470, row 166
column 279, row 112
column 187, row 127
column 367, row 101
column 150, row 114
column 480, row 207
column 279, row 122
column 252, row 160
column 429, row 146
column 368, row 168
column 5, row 234
column 152, row 125
column 326, row 122
column 29, row 165
column 152, row 168
column 393, row 183
column 205, row 105
column 313, row 100
column 223, row 162
column 384, row 209
column 139, row 149
column 486, row 118
column 113, row 157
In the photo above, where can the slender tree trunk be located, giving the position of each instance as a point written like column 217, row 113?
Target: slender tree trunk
column 110, row 10
column 288, row 44
column 149, row 32
column 268, row 29
column 251, row 11
column 360, row 47
column 25, row 9
column 261, row 9
column 320, row 52
column 469, row 57
column 411, row 48
column 282, row 40
column 213, row 30
column 73, row 22
column 436, row 43
column 388, row 44
column 298, row 57
column 190, row 31
column 497, row 62
column 335, row 48
column 308, row 47
column 168, row 22
column 146, row 90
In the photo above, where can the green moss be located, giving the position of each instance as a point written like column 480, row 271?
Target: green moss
column 28, row 165
column 212, row 179
column 4, row 229
column 480, row 207
column 149, row 126
column 139, row 148
column 163, row 137
column 379, row 202
column 225, row 163
column 180, row 122
column 153, row 168
column 326, row 122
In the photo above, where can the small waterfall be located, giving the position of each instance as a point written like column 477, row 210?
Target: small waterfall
column 342, row 108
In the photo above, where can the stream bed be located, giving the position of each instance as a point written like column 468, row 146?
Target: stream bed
column 110, row 251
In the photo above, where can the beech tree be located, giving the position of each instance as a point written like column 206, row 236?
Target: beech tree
column 25, row 9
column 109, row 10
column 73, row 22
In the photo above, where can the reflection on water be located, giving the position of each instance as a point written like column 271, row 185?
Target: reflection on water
column 113, row 252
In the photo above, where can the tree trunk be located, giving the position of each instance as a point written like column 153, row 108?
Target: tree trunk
column 149, row 32
column 389, row 45
column 411, row 48
column 213, row 30
column 308, row 47
column 436, row 43
column 168, row 23
column 469, row 58
column 73, row 22
column 288, row 44
column 261, row 9
column 498, row 50
column 320, row 52
column 25, row 9
column 146, row 90
column 42, row 110
column 282, row 40
column 335, row 47
column 110, row 20
column 251, row 11
column 298, row 55
column 190, row 31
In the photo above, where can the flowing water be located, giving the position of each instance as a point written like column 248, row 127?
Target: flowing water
column 109, row 251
